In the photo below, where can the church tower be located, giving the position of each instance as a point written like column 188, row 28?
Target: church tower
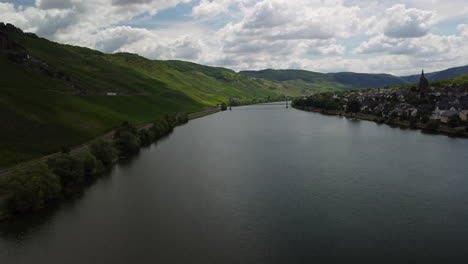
column 423, row 85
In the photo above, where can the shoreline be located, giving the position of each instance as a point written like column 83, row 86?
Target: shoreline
column 76, row 151
column 106, row 136
column 441, row 130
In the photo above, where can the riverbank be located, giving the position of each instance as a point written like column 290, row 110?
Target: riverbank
column 440, row 128
column 76, row 168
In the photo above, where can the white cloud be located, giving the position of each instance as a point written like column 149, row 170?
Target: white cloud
column 401, row 22
column 208, row 9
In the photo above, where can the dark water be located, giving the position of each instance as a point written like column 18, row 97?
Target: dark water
column 265, row 184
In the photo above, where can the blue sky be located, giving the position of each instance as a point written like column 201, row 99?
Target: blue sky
column 390, row 36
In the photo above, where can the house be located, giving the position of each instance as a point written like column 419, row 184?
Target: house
column 446, row 115
column 463, row 115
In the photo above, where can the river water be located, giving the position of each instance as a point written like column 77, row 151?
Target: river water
column 265, row 184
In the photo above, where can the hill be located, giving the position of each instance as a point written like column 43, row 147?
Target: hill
column 366, row 80
column 434, row 76
column 349, row 80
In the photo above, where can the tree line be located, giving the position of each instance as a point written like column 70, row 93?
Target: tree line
column 62, row 175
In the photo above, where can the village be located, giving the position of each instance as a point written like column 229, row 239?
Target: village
column 420, row 103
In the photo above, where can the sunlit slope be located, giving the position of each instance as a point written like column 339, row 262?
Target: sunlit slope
column 38, row 117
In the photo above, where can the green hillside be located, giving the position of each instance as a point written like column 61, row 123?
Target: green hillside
column 54, row 95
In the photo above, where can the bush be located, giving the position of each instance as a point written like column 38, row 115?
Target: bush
column 223, row 107
column 127, row 144
column 413, row 123
column 31, row 189
column 103, row 151
column 432, row 125
column 126, row 127
column 453, row 121
column 353, row 106
column 160, row 129
column 70, row 170
column 91, row 166
column 459, row 131
column 171, row 120
column 146, row 137
column 424, row 119
column 181, row 119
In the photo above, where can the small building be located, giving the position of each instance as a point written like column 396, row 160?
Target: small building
column 463, row 115
column 446, row 115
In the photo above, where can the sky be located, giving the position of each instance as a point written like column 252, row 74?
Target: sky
column 387, row 36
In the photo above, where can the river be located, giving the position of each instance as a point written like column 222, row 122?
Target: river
column 265, row 184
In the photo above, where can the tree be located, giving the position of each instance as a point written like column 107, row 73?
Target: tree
column 353, row 106
column 432, row 125
column 160, row 129
column 91, row 166
column 127, row 144
column 453, row 121
column 70, row 170
column 146, row 137
column 31, row 189
column 103, row 151
column 223, row 107
column 125, row 127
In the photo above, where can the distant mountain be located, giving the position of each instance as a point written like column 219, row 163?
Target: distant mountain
column 434, row 76
column 348, row 80
column 288, row 75
column 366, row 80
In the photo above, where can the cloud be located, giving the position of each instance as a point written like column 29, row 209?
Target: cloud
column 427, row 46
column 401, row 22
column 54, row 4
column 208, row 9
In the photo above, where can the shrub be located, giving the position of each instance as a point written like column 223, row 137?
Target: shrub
column 432, row 125
column 31, row 189
column 459, row 131
column 424, row 119
column 160, row 129
column 223, row 107
column 413, row 123
column 103, row 151
column 70, row 170
column 453, row 121
column 126, row 127
column 146, row 137
column 91, row 166
column 171, row 120
column 181, row 119
column 127, row 144
column 353, row 106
